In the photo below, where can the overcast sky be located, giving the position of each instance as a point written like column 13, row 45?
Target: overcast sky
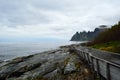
column 54, row 19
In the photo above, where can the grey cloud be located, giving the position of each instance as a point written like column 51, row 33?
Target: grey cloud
column 16, row 12
column 58, row 29
column 48, row 4
column 69, row 15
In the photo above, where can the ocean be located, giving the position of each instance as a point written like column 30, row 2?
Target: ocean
column 12, row 50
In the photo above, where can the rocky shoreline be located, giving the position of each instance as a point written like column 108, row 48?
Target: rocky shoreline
column 59, row 64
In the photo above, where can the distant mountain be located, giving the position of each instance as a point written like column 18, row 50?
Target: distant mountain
column 88, row 36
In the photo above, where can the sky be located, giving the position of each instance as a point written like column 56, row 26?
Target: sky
column 54, row 19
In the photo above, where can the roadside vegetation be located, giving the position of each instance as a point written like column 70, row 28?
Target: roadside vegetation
column 108, row 40
column 113, row 46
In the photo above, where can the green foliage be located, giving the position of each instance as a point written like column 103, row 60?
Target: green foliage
column 112, row 34
column 113, row 46
column 108, row 40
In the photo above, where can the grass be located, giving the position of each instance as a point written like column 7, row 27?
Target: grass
column 113, row 46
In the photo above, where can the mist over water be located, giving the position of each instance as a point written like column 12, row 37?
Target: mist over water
column 12, row 50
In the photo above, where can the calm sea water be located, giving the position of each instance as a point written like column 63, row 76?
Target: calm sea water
column 12, row 50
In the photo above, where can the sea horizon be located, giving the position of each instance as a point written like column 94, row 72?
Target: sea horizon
column 11, row 50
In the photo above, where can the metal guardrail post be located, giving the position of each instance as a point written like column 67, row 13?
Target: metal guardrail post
column 108, row 71
column 88, row 59
column 94, row 62
column 81, row 54
column 84, row 57
column 98, row 69
column 93, row 67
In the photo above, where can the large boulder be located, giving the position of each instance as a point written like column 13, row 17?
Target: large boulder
column 72, row 64
column 70, row 67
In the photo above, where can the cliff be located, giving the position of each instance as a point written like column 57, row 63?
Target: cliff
column 88, row 36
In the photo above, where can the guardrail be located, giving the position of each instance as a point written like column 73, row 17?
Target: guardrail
column 103, row 69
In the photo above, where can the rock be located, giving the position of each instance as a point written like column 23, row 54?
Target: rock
column 87, row 36
column 70, row 67
column 72, row 64
column 38, row 72
column 52, row 74
column 32, row 67
column 48, row 65
column 1, row 61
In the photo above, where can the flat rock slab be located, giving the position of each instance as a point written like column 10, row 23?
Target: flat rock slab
column 33, row 65
column 49, row 65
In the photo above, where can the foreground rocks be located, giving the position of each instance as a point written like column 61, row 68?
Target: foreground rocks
column 57, row 64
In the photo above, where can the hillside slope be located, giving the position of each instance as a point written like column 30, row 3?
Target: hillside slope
column 108, row 40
